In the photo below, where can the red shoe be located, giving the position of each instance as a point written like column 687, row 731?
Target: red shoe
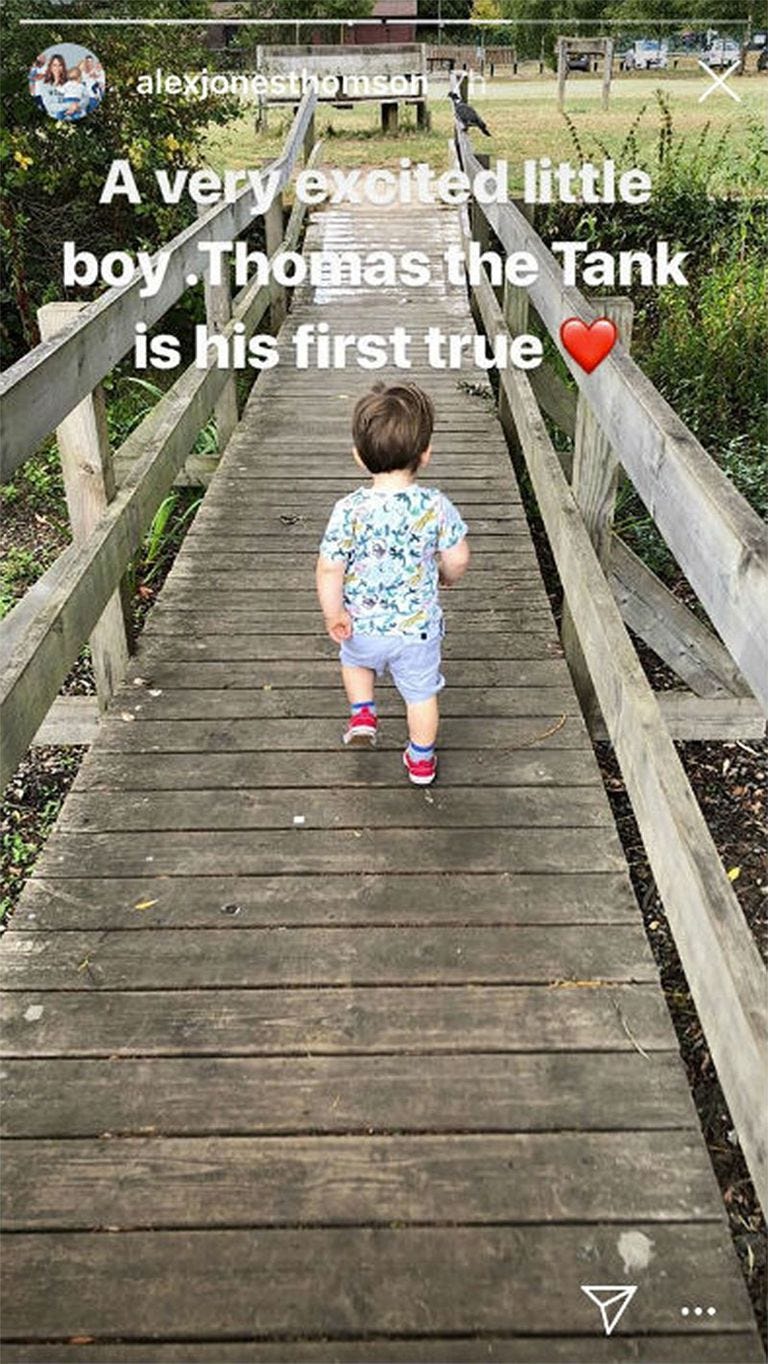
column 362, row 730
column 423, row 772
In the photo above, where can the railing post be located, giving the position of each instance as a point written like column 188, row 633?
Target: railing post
column 89, row 484
column 218, row 313
column 390, row 115
column 309, row 139
column 274, row 231
column 594, row 481
column 607, row 71
column 562, row 71
column 515, row 308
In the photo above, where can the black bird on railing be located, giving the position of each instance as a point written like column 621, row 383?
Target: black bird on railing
column 466, row 115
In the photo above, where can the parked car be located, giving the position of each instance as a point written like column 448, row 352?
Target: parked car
column 577, row 61
column 722, row 52
column 645, row 55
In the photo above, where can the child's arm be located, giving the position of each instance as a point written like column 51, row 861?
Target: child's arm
column 330, row 590
column 453, row 563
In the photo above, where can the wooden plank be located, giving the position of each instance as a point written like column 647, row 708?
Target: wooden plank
column 328, row 1020
column 703, row 718
column 718, row 953
column 219, row 957
column 476, row 675
column 691, row 1348
column 70, row 720
column 42, row 387
column 612, row 1092
column 227, row 569
column 233, row 593
column 269, row 736
column 502, row 543
column 528, row 808
column 276, row 852
column 357, row 1280
column 287, row 703
column 673, row 632
column 169, row 618
column 155, row 1183
column 718, row 540
column 283, row 496
column 51, row 904
column 238, row 647
column 217, row 520
column 145, row 772
column 206, row 676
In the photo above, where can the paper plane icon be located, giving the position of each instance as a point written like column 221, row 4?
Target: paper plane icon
column 612, row 1300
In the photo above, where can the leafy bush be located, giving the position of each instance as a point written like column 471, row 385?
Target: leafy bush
column 53, row 172
column 704, row 347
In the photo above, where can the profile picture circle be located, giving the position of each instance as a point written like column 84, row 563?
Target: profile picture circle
column 67, row 81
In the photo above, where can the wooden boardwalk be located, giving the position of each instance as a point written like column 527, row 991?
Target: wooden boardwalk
column 304, row 1063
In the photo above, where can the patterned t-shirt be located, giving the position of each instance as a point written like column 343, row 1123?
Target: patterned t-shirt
column 387, row 542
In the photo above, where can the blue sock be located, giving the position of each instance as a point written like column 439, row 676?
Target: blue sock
column 357, row 706
column 419, row 753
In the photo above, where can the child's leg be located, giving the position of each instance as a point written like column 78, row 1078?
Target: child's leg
column 363, row 725
column 423, row 720
column 358, row 684
column 417, row 676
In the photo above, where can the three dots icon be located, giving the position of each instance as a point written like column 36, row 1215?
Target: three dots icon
column 698, row 1311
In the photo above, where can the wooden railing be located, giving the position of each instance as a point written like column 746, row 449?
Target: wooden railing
column 44, row 634
column 722, row 547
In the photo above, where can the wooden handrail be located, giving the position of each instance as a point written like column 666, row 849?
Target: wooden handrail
column 44, row 385
column 723, row 967
column 42, row 636
column 719, row 955
column 718, row 540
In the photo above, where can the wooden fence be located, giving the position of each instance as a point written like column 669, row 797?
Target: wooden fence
column 44, row 634
column 722, row 547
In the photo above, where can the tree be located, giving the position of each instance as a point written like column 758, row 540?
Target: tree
column 487, row 11
column 330, row 14
column 53, row 172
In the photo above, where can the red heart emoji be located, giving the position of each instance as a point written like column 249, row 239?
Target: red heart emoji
column 588, row 344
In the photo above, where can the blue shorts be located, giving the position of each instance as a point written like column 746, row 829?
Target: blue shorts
column 413, row 663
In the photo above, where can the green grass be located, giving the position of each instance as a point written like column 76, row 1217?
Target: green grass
column 524, row 120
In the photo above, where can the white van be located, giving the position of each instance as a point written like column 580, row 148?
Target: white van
column 722, row 52
column 646, row 55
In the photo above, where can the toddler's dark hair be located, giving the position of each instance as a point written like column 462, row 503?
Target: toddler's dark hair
column 392, row 427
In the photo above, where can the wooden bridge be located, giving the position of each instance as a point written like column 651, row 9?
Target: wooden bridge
column 302, row 1063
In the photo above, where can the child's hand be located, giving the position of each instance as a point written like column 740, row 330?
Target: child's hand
column 443, row 582
column 340, row 627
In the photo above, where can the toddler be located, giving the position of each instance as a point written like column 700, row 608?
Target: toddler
column 385, row 549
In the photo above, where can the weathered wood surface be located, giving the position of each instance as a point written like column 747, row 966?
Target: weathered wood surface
column 671, row 629
column 594, row 480
column 71, row 720
column 389, row 1083
column 695, row 1348
column 89, row 483
column 718, row 540
column 38, row 644
column 339, row 1180
column 717, row 950
column 354, row 1280
column 356, row 1019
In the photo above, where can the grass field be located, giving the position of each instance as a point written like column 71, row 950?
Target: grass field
column 525, row 122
